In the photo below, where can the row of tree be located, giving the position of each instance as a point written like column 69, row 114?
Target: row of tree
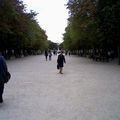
column 52, row 45
column 19, row 30
column 93, row 24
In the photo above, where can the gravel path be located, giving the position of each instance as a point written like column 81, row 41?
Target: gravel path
column 86, row 91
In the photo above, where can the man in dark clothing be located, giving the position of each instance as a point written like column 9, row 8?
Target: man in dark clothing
column 50, row 55
column 3, row 70
column 46, row 54
column 60, row 61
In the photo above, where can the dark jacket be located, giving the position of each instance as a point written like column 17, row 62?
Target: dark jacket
column 46, row 53
column 61, row 60
column 3, row 69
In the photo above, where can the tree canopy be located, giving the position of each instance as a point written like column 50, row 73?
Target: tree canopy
column 19, row 30
column 93, row 24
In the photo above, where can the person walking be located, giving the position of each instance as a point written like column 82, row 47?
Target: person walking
column 3, row 71
column 60, row 62
column 50, row 55
column 46, row 54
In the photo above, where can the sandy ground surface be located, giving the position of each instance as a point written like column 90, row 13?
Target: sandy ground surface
column 86, row 91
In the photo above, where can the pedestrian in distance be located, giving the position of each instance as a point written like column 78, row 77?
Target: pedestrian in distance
column 54, row 52
column 3, row 75
column 50, row 55
column 60, row 62
column 46, row 54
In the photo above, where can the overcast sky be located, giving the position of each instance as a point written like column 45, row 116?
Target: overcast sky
column 52, row 16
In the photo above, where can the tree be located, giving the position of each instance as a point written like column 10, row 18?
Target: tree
column 81, row 24
column 52, row 45
column 19, row 30
column 109, row 17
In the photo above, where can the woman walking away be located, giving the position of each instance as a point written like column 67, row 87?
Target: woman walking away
column 60, row 62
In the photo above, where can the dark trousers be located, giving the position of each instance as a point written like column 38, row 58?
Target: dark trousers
column 46, row 57
column 1, row 91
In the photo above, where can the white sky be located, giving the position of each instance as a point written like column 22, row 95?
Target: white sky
column 52, row 16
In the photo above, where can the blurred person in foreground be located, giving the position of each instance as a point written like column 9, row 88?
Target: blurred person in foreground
column 3, row 71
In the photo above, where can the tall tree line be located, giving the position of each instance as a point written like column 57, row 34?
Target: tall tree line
column 93, row 24
column 19, row 30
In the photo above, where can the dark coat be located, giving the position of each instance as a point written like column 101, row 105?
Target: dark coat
column 46, row 53
column 3, row 68
column 61, row 60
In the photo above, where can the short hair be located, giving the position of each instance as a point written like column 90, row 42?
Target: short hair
column 61, row 51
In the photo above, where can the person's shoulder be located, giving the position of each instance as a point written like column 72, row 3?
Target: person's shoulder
column 1, row 57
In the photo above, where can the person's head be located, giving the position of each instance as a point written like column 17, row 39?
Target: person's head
column 61, row 52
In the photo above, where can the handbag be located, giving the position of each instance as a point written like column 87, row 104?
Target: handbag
column 7, row 77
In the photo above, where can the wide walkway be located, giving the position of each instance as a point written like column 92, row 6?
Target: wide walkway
column 86, row 91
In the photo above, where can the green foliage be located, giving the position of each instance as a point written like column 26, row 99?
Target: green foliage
column 52, row 45
column 109, row 16
column 19, row 29
column 61, row 46
column 82, row 25
column 93, row 24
